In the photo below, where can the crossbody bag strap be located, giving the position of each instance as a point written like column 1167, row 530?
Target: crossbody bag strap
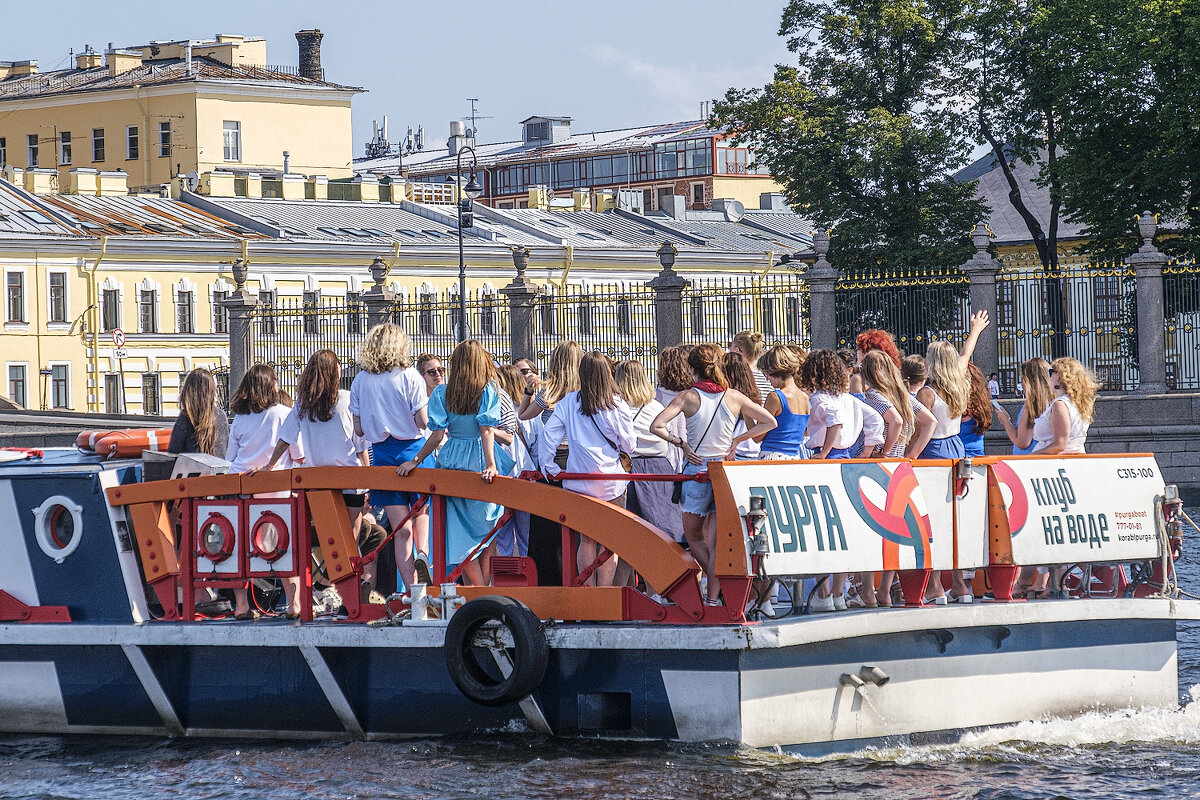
column 720, row 402
column 611, row 443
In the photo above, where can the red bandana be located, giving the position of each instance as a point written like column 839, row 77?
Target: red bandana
column 708, row 386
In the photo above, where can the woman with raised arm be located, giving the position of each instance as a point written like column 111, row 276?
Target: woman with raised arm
column 711, row 409
column 977, row 417
column 464, row 412
column 387, row 402
column 598, row 426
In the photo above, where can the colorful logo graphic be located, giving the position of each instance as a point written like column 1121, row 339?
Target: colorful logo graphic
column 1017, row 501
column 899, row 521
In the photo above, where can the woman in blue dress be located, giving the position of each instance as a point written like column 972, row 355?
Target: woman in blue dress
column 977, row 418
column 464, row 412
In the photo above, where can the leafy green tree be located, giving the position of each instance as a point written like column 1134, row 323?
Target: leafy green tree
column 865, row 132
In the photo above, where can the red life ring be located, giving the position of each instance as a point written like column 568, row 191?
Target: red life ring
column 260, row 538
column 125, row 444
column 216, row 548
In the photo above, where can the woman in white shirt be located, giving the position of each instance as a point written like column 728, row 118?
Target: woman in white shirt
column 257, row 418
column 387, row 402
column 321, row 419
column 1063, row 426
column 650, row 500
column 598, row 427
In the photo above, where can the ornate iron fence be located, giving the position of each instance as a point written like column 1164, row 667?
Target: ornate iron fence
column 431, row 321
column 716, row 308
column 614, row 318
column 1181, row 311
column 286, row 332
column 916, row 307
column 1083, row 310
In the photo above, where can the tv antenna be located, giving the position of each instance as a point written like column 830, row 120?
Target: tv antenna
column 474, row 116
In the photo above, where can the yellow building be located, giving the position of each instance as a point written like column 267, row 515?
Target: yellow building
column 169, row 108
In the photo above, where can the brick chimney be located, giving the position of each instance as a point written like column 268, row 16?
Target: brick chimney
column 310, row 53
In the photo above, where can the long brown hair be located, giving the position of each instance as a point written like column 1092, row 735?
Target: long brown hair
column 258, row 391
column 596, row 384
column 510, row 380
column 979, row 401
column 878, row 371
column 198, row 402
column 471, row 370
column 705, row 361
column 741, row 376
column 317, row 389
column 1038, row 394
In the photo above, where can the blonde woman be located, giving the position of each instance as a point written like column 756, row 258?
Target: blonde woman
column 1063, row 427
column 651, row 455
column 387, row 403
column 1035, row 385
column 562, row 379
column 749, row 345
column 945, row 395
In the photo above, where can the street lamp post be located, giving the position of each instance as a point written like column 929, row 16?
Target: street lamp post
column 466, row 200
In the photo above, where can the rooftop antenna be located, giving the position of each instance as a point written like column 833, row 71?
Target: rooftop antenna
column 474, row 116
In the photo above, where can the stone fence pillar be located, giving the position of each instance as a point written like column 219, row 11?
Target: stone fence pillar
column 668, row 288
column 1148, row 263
column 982, row 270
column 240, row 307
column 821, row 278
column 378, row 300
column 522, row 306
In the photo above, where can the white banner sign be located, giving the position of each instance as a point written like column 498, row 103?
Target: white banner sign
column 849, row 516
column 1080, row 509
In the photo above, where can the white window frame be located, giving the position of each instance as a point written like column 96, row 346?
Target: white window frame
column 149, row 286
column 164, row 141
column 101, row 151
column 133, row 143
column 8, row 382
column 3, row 151
column 51, row 322
column 21, row 323
column 32, row 151
column 181, row 288
column 231, row 140
column 219, row 313
column 64, row 148
column 157, row 410
column 67, row 365
column 110, row 285
column 114, row 402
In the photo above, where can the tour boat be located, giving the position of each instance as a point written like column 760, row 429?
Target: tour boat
column 99, row 631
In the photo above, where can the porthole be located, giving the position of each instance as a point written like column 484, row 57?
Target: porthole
column 58, row 526
column 216, row 539
column 269, row 540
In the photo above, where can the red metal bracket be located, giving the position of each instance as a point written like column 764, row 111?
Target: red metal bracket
column 13, row 610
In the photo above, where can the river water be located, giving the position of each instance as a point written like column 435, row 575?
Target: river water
column 1143, row 754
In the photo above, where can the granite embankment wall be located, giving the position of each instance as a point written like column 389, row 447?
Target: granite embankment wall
column 1167, row 425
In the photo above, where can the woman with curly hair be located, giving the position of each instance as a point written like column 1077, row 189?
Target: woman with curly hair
column 387, row 402
column 674, row 376
column 1063, row 426
column 711, row 410
column 873, row 339
column 977, row 418
column 835, row 416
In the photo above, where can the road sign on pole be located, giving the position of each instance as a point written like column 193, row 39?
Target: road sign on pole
column 118, row 337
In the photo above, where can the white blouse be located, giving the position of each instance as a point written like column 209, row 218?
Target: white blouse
column 326, row 444
column 1043, row 428
column 385, row 403
column 589, row 452
column 252, row 438
column 827, row 410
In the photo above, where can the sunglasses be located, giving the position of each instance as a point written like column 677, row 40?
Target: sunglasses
column 436, row 371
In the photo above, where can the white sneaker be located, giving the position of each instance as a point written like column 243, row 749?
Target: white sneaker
column 766, row 608
column 821, row 604
column 839, row 602
column 421, row 567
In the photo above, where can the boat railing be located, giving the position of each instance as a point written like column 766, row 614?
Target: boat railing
column 773, row 519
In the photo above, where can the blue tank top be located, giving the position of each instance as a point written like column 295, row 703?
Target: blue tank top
column 788, row 435
column 971, row 437
column 1023, row 451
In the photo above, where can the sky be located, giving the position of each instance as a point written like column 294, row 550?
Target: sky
column 607, row 65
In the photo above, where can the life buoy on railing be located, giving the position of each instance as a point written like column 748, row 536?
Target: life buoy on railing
column 269, row 538
column 522, row 666
column 124, row 444
column 215, row 538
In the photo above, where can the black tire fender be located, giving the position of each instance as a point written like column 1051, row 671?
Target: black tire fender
column 529, row 654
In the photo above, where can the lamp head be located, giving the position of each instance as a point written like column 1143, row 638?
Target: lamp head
column 473, row 188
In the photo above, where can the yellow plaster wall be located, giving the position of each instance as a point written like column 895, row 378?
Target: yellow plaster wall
column 745, row 190
column 316, row 132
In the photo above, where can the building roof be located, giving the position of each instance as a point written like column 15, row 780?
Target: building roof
column 432, row 162
column 22, row 215
column 1006, row 224
column 142, row 216
column 154, row 73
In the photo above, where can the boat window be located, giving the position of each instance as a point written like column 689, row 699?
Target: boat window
column 58, row 526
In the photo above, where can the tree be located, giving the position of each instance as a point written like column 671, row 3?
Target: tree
column 865, row 132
